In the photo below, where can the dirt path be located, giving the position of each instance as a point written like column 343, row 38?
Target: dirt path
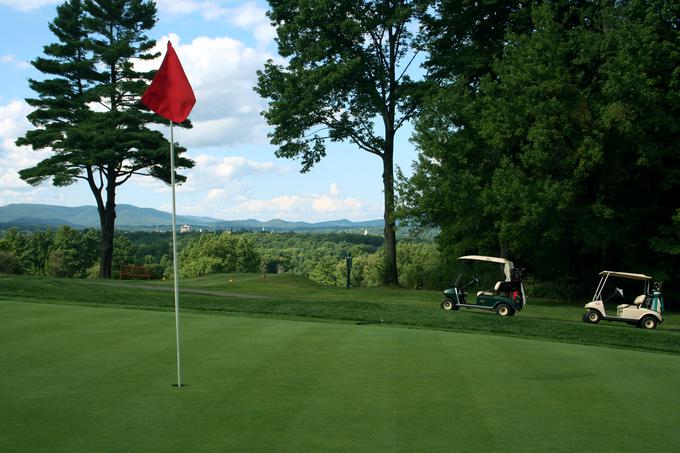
column 186, row 290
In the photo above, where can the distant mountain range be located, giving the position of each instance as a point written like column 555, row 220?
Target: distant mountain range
column 135, row 218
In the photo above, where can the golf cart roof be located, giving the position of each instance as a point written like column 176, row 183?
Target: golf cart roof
column 491, row 259
column 507, row 264
column 627, row 275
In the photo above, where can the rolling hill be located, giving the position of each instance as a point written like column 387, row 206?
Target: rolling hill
column 131, row 217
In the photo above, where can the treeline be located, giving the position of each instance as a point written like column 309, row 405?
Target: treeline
column 64, row 252
column 550, row 134
column 67, row 252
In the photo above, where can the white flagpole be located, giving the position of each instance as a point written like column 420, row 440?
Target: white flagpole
column 174, row 251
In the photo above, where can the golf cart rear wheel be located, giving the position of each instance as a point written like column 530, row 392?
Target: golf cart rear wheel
column 648, row 322
column 504, row 310
column 593, row 316
column 447, row 304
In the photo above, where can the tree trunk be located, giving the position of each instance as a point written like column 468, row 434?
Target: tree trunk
column 106, row 260
column 107, row 221
column 391, row 276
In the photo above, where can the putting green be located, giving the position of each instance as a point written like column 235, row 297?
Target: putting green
column 99, row 379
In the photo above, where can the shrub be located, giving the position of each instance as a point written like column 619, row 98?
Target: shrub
column 9, row 263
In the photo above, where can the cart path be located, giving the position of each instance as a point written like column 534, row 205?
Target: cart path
column 204, row 292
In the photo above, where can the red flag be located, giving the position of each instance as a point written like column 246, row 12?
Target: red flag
column 170, row 94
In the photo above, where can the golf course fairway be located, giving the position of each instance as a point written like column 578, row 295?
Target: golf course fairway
column 85, row 379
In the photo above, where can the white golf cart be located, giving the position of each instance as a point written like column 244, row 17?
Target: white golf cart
column 645, row 310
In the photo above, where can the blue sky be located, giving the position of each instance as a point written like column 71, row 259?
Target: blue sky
column 221, row 44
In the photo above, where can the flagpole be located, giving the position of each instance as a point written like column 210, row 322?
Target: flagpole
column 174, row 251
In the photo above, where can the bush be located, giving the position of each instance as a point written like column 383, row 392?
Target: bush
column 329, row 271
column 213, row 253
column 9, row 263
column 58, row 265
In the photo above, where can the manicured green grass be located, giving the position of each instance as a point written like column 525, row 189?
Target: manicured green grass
column 77, row 378
column 291, row 296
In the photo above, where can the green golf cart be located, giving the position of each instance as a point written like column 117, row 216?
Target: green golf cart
column 506, row 298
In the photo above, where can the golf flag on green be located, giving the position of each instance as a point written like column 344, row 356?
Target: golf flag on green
column 170, row 95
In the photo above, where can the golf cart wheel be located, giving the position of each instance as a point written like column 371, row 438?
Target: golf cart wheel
column 447, row 304
column 504, row 310
column 648, row 322
column 593, row 316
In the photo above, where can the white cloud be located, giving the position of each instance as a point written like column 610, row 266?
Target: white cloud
column 209, row 10
column 222, row 72
column 221, row 187
column 27, row 5
column 11, row 60
column 230, row 169
column 13, row 124
column 309, row 206
column 213, row 185
column 13, row 120
column 216, row 176
column 248, row 16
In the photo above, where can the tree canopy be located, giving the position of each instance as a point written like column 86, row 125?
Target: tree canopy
column 87, row 111
column 552, row 136
column 346, row 78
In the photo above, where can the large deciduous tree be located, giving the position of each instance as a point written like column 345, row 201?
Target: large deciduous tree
column 345, row 79
column 87, row 111
column 563, row 150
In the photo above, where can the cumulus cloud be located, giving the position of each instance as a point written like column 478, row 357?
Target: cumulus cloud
column 27, row 5
column 12, row 61
column 313, row 206
column 13, row 124
column 222, row 72
column 215, row 175
column 248, row 15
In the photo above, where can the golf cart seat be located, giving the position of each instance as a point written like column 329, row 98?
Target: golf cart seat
column 639, row 300
column 496, row 289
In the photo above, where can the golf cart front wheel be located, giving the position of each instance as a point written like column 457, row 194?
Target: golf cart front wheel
column 504, row 310
column 648, row 323
column 447, row 304
column 593, row 316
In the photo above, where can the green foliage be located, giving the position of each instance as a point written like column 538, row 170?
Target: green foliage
column 554, row 141
column 346, row 70
column 92, row 64
column 329, row 271
column 30, row 250
column 9, row 263
column 221, row 252
column 421, row 266
column 123, row 252
column 299, row 253
column 367, row 270
column 320, row 257
column 72, row 253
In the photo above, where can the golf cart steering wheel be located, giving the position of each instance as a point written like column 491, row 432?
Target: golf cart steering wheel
column 475, row 279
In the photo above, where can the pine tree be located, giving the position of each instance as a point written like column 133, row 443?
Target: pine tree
column 89, row 112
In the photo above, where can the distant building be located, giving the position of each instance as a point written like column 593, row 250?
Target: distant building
column 184, row 228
